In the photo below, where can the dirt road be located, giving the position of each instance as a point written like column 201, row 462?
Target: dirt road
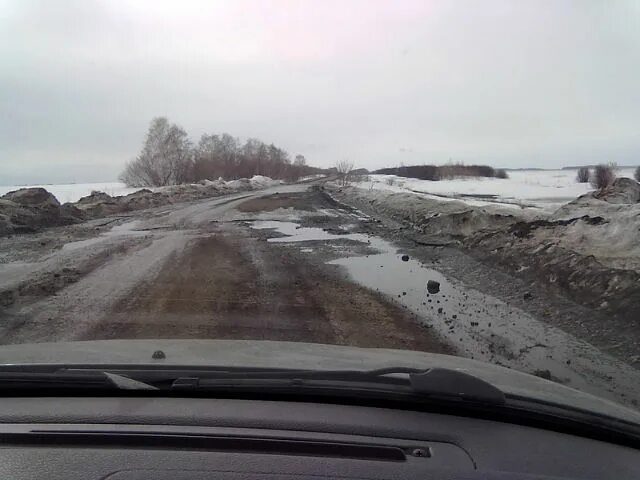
column 288, row 263
column 200, row 272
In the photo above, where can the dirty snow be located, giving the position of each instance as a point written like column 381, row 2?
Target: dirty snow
column 544, row 190
column 72, row 192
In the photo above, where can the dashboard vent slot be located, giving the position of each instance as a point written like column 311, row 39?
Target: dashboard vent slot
column 204, row 442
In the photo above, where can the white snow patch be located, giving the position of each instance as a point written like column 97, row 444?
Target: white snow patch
column 542, row 189
column 260, row 181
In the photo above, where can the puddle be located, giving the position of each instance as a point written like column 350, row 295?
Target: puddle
column 296, row 233
column 477, row 325
column 127, row 228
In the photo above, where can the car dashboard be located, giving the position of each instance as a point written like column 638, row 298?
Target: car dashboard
column 141, row 438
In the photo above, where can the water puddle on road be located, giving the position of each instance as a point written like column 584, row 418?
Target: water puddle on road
column 478, row 325
column 127, row 228
column 296, row 233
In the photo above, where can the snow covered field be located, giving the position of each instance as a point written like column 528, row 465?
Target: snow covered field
column 72, row 192
column 542, row 189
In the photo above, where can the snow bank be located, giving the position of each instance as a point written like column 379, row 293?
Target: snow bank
column 72, row 192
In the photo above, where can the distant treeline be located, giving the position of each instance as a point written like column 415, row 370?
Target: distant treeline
column 169, row 157
column 594, row 166
column 443, row 172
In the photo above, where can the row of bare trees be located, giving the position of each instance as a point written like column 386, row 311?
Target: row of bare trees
column 601, row 177
column 442, row 172
column 168, row 157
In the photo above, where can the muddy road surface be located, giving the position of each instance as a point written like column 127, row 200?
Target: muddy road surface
column 288, row 263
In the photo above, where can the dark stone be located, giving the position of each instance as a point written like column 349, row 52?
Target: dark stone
column 546, row 374
column 433, row 286
column 405, row 258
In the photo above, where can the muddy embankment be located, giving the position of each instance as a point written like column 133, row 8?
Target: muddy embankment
column 588, row 250
column 29, row 210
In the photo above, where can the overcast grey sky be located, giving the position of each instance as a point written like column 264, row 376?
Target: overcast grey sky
column 508, row 83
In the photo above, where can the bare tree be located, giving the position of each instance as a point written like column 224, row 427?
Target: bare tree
column 501, row 173
column 165, row 159
column 603, row 175
column 583, row 175
column 344, row 168
column 168, row 157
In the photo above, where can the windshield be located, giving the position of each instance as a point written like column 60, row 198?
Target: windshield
column 447, row 184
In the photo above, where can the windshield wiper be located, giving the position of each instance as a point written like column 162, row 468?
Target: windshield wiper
column 434, row 382
column 438, row 383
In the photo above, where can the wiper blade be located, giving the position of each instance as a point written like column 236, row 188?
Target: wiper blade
column 437, row 383
column 434, row 382
column 447, row 382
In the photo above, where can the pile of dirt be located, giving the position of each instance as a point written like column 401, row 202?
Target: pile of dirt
column 29, row 209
